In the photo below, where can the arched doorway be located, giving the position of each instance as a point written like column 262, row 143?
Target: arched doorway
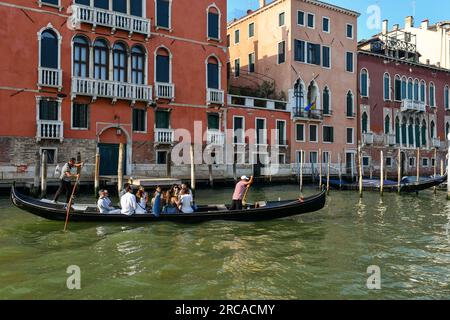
column 109, row 140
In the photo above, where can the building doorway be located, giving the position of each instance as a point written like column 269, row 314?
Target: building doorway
column 109, row 159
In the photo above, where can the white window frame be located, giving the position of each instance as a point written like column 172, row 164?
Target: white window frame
column 329, row 24
column 41, row 150
column 59, row 38
column 234, row 66
column 317, row 133
column 368, row 82
column 353, row 61
column 206, row 71
column 329, row 98
column 71, row 116
column 156, row 17
column 58, row 100
column 390, row 87
column 145, row 122
column 243, row 128
column 304, row 18
column 446, row 97
column 317, row 157
column 321, row 58
column 307, row 20
column 414, row 162
column 213, row 5
column 284, row 19
column 161, row 151
column 278, row 53
column 323, row 135
column 296, row 132
column 392, row 162
column 422, row 162
column 285, row 130
column 284, row 158
column 370, row 161
column 434, row 94
column 353, row 31
column 264, row 131
column 353, row 136
column 58, row 6
column 254, row 30
column 423, row 82
column 170, row 64
column 254, row 62
column 237, row 31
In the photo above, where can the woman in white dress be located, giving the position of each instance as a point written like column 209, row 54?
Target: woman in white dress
column 186, row 201
column 142, row 200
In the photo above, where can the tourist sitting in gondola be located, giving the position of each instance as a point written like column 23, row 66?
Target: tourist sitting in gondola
column 104, row 204
column 128, row 202
column 186, row 202
column 157, row 202
column 170, row 203
column 142, row 201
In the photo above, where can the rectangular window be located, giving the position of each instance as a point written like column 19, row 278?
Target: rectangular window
column 313, row 157
column 300, row 132
column 162, row 120
column 213, row 76
column 300, row 18
column 433, row 162
column 349, row 31
column 213, row 121
column 350, row 136
column 261, row 131
column 313, row 133
column 162, row 69
column 281, row 158
column 120, row 6
column 161, row 157
column 281, row 19
column 251, row 30
column 388, row 161
column 101, row 4
column 281, row 52
column 136, row 8
column 54, row 2
column 83, row 2
column 80, row 116
column 328, row 134
column 326, row 24
column 237, row 67
column 349, row 62
column 139, row 120
column 311, row 20
column 299, row 50
column 51, row 155
column 281, row 133
column 237, row 35
column 326, row 157
column 326, row 57
column 251, row 62
column 425, row 162
column 313, row 53
column 163, row 13
column 366, row 161
column 398, row 89
column 48, row 110
column 213, row 25
column 228, row 40
column 412, row 162
column 238, row 127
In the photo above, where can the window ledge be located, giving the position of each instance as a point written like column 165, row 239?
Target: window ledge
column 214, row 39
column 157, row 28
column 40, row 3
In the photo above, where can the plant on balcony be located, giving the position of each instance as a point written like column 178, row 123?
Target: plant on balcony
column 265, row 90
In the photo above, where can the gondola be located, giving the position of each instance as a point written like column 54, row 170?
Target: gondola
column 407, row 184
column 88, row 213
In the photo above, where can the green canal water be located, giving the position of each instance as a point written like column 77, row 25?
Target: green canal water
column 322, row 255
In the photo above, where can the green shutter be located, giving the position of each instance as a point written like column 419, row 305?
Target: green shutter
column 162, row 120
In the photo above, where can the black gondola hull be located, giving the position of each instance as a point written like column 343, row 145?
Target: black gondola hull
column 273, row 210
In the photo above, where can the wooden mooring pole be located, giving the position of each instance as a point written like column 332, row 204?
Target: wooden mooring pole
column 210, row 173
column 301, row 171
column 44, row 174
column 320, row 168
column 192, row 169
column 399, row 170
column 328, row 174
column 120, row 168
column 360, row 172
column 435, row 168
column 381, row 173
column 37, row 169
column 340, row 170
column 418, row 165
column 97, row 174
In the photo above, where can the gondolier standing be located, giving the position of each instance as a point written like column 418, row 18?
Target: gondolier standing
column 239, row 192
column 65, row 179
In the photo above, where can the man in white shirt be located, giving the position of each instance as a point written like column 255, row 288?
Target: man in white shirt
column 104, row 204
column 128, row 202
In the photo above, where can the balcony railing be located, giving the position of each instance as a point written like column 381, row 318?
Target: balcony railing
column 367, row 138
column 215, row 137
column 111, row 89
column 390, row 140
column 413, row 106
column 436, row 143
column 111, row 19
column 164, row 91
column 311, row 114
column 214, row 96
column 164, row 136
column 50, row 130
column 50, row 78
column 254, row 102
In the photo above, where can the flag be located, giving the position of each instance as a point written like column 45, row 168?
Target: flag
column 312, row 106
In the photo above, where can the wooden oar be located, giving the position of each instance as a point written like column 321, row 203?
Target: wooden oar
column 69, row 205
column 244, row 199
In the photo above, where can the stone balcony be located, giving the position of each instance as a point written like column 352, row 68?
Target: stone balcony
column 164, row 136
column 390, row 140
column 436, row 143
column 408, row 105
column 215, row 137
column 111, row 19
column 114, row 90
column 50, row 130
column 214, row 96
column 367, row 138
column 164, row 91
column 48, row 77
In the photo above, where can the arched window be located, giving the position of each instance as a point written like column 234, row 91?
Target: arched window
column 326, row 101
column 410, row 89
column 423, row 91
column 417, row 133
column 49, row 50
column 432, row 130
column 387, row 125
column 446, row 98
column 364, row 79
column 404, row 132
column 397, row 130
column 432, row 95
column 80, row 56
column 350, row 104
column 404, row 88
column 138, row 65
column 163, row 67
column 424, row 133
column 364, row 123
column 299, row 96
column 447, row 129
column 398, row 88
column 416, row 90
column 101, row 54
column 120, row 62
column 387, row 87
column 213, row 73
column 411, row 133
column 213, row 22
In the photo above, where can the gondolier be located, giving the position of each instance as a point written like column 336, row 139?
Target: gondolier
column 65, row 180
column 239, row 192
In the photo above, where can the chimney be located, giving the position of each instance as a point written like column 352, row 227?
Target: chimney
column 262, row 3
column 249, row 11
column 396, row 27
column 428, row 61
column 409, row 22
column 384, row 28
column 425, row 24
column 438, row 64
